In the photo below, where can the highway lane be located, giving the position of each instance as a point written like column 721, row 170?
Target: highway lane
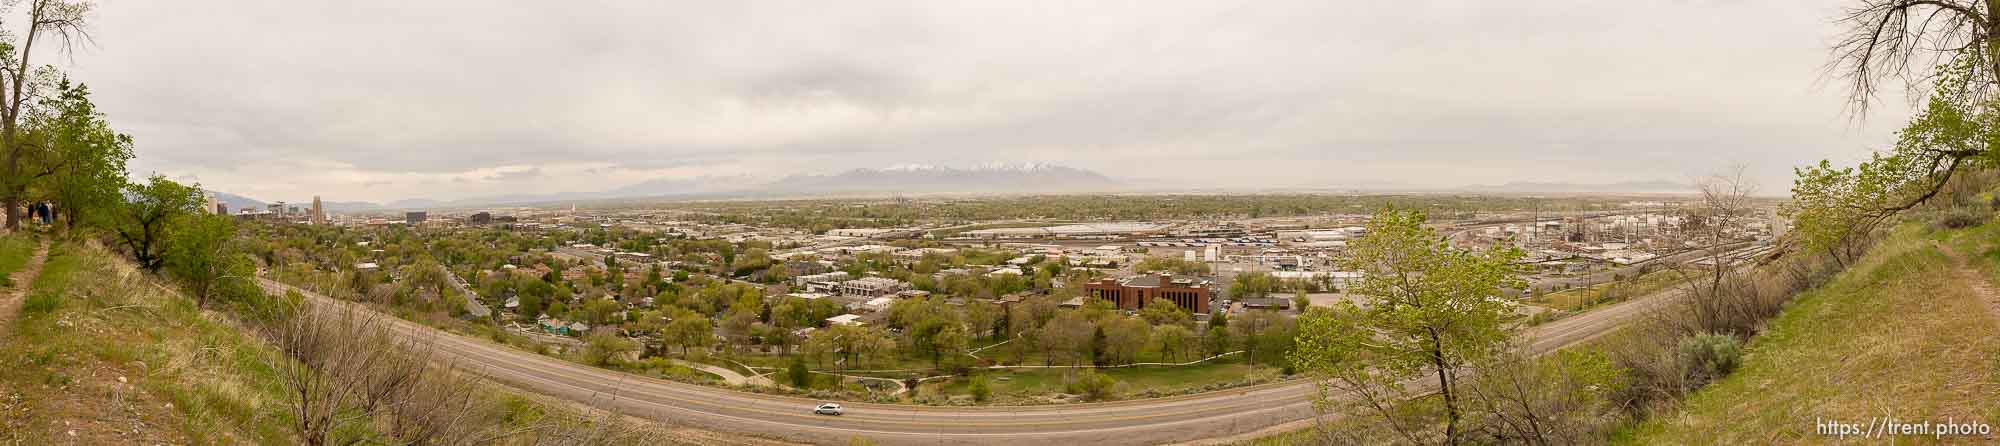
column 1150, row 421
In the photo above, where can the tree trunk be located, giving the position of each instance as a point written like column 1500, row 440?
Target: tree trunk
column 1445, row 388
column 11, row 126
column 1992, row 42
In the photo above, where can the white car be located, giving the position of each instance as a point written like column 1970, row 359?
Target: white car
column 827, row 409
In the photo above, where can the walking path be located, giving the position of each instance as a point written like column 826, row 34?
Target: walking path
column 728, row 376
column 1974, row 279
column 23, row 280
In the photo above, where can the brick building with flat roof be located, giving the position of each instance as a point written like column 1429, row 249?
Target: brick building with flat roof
column 1135, row 292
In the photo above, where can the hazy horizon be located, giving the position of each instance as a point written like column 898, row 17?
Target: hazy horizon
column 380, row 101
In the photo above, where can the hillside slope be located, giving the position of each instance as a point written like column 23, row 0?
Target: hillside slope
column 103, row 354
column 99, row 355
column 1908, row 334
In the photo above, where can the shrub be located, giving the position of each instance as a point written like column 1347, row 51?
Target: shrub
column 1710, row 356
column 1558, row 399
column 1697, row 338
column 798, row 375
column 981, row 391
column 1092, row 385
column 1960, row 218
column 606, row 348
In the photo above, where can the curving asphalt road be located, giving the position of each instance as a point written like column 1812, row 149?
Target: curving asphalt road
column 1150, row 421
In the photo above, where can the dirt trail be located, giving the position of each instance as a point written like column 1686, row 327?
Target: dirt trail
column 1975, row 279
column 12, row 297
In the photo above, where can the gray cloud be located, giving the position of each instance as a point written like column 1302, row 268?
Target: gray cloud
column 585, row 95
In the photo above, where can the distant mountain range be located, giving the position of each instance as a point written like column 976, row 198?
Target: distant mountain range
column 919, row 179
column 236, row 202
column 906, row 179
column 1628, row 187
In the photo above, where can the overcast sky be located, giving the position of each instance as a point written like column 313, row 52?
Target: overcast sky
column 383, row 100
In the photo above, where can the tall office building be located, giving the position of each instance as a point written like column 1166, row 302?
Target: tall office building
column 318, row 214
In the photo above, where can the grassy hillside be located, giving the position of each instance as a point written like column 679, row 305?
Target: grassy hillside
column 15, row 249
column 1904, row 333
column 102, row 354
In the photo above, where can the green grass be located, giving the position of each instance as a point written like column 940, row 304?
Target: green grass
column 1899, row 334
column 88, row 322
column 1028, row 386
column 46, row 293
column 15, row 250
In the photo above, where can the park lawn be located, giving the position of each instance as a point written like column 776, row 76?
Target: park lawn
column 777, row 361
column 1898, row 334
column 1020, row 385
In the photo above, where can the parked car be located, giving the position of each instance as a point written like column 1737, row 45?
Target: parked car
column 827, row 409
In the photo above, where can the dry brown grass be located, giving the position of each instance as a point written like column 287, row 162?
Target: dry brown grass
column 1901, row 334
column 117, row 360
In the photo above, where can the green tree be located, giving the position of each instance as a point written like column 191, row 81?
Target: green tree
column 1433, row 309
column 426, row 274
column 1217, row 341
column 1067, row 336
column 798, row 374
column 1256, row 284
column 981, row 316
column 848, row 342
column 1164, row 312
column 45, row 18
column 939, row 337
column 1099, row 346
column 1835, row 209
column 1172, row 265
column 738, row 324
column 1251, row 330
column 601, row 311
column 604, row 348
column 199, row 255
column 1173, row 340
column 530, row 306
column 144, row 220
column 1124, row 337
column 84, row 158
column 689, row 331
